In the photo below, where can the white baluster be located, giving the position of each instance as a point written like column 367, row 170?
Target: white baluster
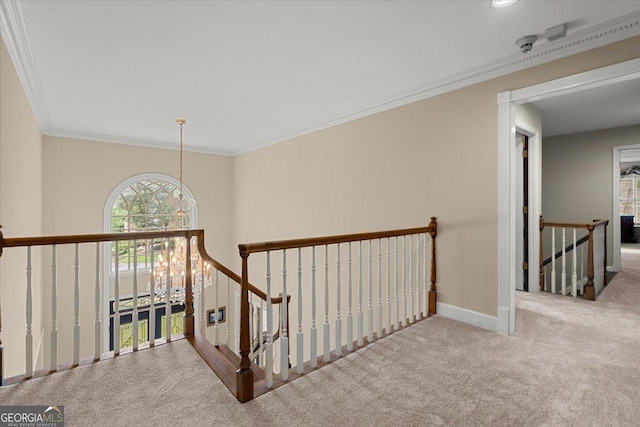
column 115, row 333
column 389, row 305
column 300, row 335
column 553, row 260
column 204, row 279
column 216, row 326
column 409, row 315
column 29, row 336
column 261, row 331
column 327, row 327
column 134, row 315
column 379, row 289
column 582, row 269
column 404, row 281
column 425, row 295
column 76, row 310
column 152, row 295
column 418, row 296
column 268, row 370
column 54, row 310
column 167, row 310
column 338, row 318
column 369, row 303
column 251, row 326
column 227, row 329
column 563, row 275
column 349, row 308
column 314, row 331
column 97, row 326
column 396, row 318
column 284, row 339
column 574, row 273
column 360, row 314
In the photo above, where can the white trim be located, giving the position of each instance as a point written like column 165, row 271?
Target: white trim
column 16, row 40
column 624, row 27
column 139, row 142
column 616, row 262
column 469, row 317
column 506, row 151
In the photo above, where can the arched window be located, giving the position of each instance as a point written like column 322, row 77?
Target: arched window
column 145, row 202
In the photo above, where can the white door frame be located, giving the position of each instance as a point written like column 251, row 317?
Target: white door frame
column 615, row 262
column 507, row 208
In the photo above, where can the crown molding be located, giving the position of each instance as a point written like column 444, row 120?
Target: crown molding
column 608, row 32
column 13, row 31
column 138, row 142
column 14, row 34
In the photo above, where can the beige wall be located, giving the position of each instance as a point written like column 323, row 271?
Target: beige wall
column 20, row 213
column 80, row 175
column 577, row 173
column 436, row 157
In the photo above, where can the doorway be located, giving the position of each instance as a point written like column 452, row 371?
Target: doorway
column 522, row 148
column 508, row 209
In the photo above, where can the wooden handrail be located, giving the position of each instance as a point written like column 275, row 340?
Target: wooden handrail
column 587, row 226
column 250, row 248
column 589, row 288
column 244, row 374
column 141, row 235
column 568, row 249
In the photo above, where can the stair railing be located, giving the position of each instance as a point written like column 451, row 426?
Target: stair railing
column 83, row 291
column 391, row 279
column 588, row 283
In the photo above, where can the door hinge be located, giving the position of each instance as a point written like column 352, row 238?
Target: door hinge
column 525, row 153
column 525, row 210
column 525, row 266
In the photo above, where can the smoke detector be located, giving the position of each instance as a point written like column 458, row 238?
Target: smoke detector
column 526, row 43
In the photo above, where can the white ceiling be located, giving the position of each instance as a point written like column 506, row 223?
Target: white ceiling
column 600, row 108
column 248, row 74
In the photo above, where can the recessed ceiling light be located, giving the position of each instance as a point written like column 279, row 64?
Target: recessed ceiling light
column 502, row 3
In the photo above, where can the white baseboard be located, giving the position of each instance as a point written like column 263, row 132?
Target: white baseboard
column 467, row 316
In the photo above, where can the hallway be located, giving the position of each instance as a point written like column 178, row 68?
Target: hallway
column 571, row 362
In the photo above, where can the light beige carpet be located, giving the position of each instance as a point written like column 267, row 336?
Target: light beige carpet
column 570, row 363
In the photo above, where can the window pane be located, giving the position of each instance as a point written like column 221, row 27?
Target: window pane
column 626, row 208
column 626, row 188
column 145, row 205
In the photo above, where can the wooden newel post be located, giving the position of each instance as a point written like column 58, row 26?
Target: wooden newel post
column 189, row 326
column 432, row 291
column 589, row 288
column 244, row 374
column 541, row 271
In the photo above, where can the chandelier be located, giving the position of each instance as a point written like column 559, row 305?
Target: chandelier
column 168, row 276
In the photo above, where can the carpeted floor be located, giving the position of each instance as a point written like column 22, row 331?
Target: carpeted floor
column 570, row 363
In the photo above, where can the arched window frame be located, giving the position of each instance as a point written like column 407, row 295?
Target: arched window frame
column 107, row 221
column 115, row 193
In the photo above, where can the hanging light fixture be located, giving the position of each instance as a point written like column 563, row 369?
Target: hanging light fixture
column 184, row 203
column 169, row 273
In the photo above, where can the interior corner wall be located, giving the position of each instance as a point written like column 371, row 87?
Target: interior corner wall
column 577, row 175
column 80, row 176
column 395, row 169
column 20, row 214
